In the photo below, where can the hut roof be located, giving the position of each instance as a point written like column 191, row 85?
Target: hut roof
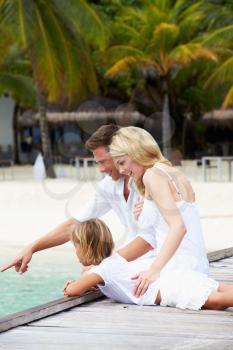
column 120, row 117
column 220, row 117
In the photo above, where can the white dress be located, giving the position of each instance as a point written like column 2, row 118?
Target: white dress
column 181, row 288
column 191, row 253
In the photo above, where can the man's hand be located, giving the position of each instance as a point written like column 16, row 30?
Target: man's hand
column 20, row 263
column 138, row 208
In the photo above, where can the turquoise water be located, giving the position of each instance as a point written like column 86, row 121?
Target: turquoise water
column 42, row 283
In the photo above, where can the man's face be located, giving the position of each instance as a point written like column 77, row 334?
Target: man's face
column 105, row 163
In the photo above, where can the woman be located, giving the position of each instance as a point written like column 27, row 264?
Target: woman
column 174, row 214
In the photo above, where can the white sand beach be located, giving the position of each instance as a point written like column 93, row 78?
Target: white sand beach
column 30, row 208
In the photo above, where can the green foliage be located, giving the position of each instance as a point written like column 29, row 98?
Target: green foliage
column 19, row 87
column 52, row 34
column 15, row 78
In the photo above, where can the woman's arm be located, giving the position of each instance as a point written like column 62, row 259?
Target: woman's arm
column 159, row 190
column 79, row 287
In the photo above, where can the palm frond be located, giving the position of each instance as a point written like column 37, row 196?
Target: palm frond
column 222, row 74
column 219, row 37
column 122, row 65
column 127, row 34
column 190, row 26
column 120, row 51
column 162, row 5
column 185, row 54
column 164, row 37
column 84, row 19
column 128, row 63
column 228, row 100
column 217, row 15
column 46, row 63
column 20, row 87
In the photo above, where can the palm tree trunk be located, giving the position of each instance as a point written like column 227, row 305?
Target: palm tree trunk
column 46, row 143
column 183, row 136
column 15, row 134
column 166, row 127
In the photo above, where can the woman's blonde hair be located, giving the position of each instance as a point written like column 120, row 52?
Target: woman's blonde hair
column 95, row 241
column 140, row 146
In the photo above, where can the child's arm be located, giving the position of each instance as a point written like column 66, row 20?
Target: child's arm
column 79, row 287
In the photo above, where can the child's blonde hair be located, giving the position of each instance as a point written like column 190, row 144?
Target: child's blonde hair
column 140, row 146
column 95, row 241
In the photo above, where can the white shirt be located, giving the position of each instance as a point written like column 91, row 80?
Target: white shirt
column 116, row 273
column 110, row 195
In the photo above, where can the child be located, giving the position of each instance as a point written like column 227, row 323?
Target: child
column 113, row 274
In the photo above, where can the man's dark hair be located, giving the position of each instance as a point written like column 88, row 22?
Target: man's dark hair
column 102, row 137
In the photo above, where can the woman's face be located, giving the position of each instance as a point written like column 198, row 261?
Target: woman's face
column 129, row 167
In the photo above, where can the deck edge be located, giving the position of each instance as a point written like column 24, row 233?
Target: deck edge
column 59, row 305
column 44, row 310
column 220, row 254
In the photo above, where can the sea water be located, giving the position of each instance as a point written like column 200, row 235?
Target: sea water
column 44, row 281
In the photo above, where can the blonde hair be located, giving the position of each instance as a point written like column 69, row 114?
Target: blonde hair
column 140, row 146
column 95, row 241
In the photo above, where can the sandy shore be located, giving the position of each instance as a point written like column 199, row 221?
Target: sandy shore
column 29, row 209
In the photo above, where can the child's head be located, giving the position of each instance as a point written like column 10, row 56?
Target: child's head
column 93, row 241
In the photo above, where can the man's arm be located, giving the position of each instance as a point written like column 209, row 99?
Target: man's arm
column 60, row 235
column 135, row 249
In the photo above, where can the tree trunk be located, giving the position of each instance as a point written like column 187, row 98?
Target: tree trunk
column 183, row 137
column 46, row 143
column 45, row 138
column 166, row 127
column 15, row 134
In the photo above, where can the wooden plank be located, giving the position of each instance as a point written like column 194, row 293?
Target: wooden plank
column 220, row 254
column 38, row 312
column 103, row 311
column 106, row 324
column 70, row 340
column 143, row 330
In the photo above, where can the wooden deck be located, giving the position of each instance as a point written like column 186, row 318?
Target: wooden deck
column 104, row 324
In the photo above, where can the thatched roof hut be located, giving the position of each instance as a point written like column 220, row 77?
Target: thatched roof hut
column 218, row 117
column 97, row 118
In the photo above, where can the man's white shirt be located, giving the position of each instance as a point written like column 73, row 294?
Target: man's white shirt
column 110, row 196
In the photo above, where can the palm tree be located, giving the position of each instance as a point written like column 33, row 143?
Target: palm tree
column 15, row 80
column 160, row 40
column 51, row 35
column 218, row 36
column 221, row 40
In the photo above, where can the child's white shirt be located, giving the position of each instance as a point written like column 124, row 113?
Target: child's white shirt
column 118, row 285
column 182, row 287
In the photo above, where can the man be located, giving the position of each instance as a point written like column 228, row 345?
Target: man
column 113, row 192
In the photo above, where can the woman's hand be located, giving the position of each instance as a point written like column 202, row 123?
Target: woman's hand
column 144, row 279
column 138, row 208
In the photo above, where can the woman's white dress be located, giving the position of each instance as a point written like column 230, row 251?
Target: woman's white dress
column 191, row 253
column 178, row 288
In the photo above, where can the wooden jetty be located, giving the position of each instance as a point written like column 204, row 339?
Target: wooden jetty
column 94, row 322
